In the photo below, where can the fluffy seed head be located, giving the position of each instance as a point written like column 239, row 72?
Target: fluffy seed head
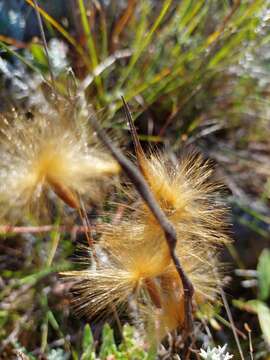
column 54, row 150
column 135, row 257
column 187, row 195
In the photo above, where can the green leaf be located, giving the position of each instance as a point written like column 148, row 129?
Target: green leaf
column 88, row 344
column 52, row 320
column 263, row 269
column 88, row 340
column 39, row 55
column 108, row 346
column 263, row 313
column 130, row 348
column 147, row 39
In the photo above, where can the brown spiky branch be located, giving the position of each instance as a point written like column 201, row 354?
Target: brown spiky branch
column 143, row 189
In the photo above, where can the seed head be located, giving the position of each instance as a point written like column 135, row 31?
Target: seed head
column 134, row 257
column 54, row 151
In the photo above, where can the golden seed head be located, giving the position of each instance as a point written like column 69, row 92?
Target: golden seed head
column 138, row 263
column 55, row 150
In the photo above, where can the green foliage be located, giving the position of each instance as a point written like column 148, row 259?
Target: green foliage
column 39, row 55
column 108, row 346
column 263, row 312
column 127, row 349
column 259, row 306
column 88, row 344
column 170, row 51
column 263, row 269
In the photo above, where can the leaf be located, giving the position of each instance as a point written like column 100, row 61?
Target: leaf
column 263, row 269
column 263, row 313
column 130, row 348
column 52, row 320
column 93, row 56
column 147, row 39
column 88, row 340
column 88, row 344
column 39, row 55
column 108, row 346
column 21, row 58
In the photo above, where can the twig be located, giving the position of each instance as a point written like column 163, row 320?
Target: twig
column 55, row 238
column 247, row 328
column 45, row 45
column 86, row 223
column 14, row 42
column 122, row 22
column 9, row 229
column 109, row 61
column 229, row 314
column 143, row 189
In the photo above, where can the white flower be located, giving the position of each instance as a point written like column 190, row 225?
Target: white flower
column 217, row 353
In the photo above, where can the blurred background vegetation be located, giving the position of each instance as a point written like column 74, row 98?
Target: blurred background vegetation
column 196, row 74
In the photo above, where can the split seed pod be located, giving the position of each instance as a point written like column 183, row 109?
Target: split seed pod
column 135, row 260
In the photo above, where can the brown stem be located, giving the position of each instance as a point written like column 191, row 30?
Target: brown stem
column 121, row 24
column 9, row 229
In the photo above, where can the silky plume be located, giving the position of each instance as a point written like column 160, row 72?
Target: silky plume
column 135, row 260
column 52, row 151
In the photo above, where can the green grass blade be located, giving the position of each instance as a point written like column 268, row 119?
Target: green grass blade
column 63, row 32
column 90, row 44
column 147, row 39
